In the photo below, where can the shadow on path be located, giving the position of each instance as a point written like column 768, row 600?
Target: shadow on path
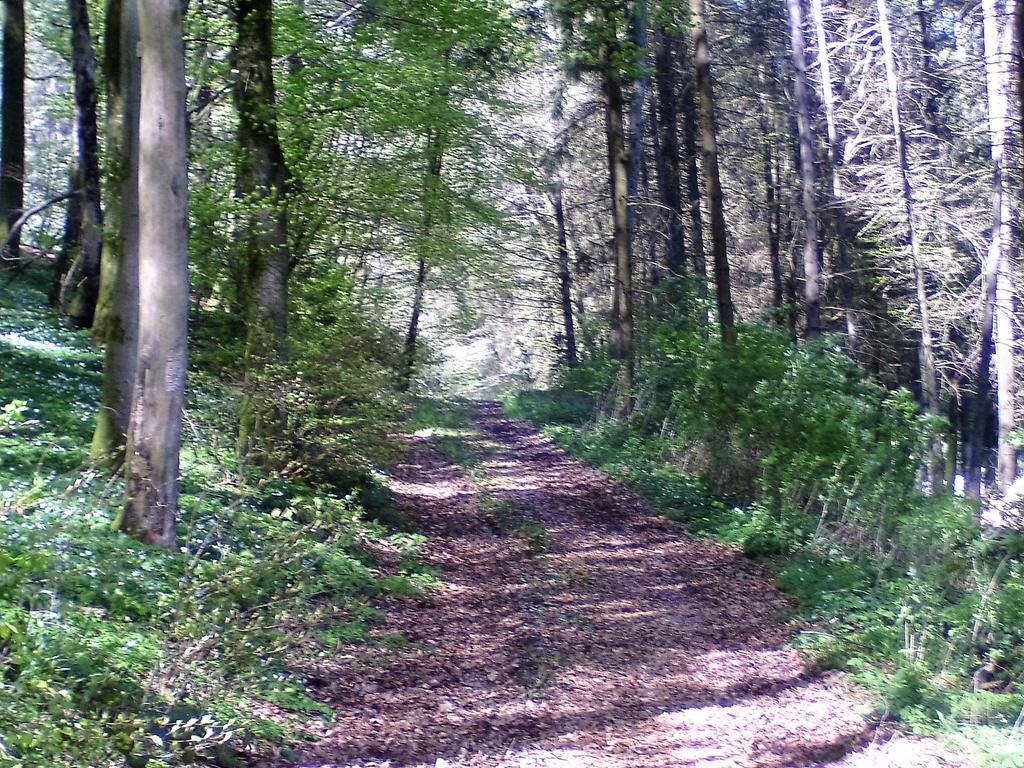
column 625, row 643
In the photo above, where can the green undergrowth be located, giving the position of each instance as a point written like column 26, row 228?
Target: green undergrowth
column 112, row 653
column 795, row 456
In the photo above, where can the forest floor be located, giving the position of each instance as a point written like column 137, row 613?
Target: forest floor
column 573, row 627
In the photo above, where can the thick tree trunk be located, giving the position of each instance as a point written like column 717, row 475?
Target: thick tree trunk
column 116, row 321
column 669, row 176
column 262, row 179
column 154, row 435
column 808, row 171
column 997, row 301
column 564, row 276
column 926, row 350
column 82, row 307
column 688, row 108
column 12, row 125
column 709, row 146
column 835, row 160
column 618, row 171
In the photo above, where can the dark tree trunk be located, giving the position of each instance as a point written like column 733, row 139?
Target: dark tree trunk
column 116, row 321
column 564, row 277
column 431, row 197
column 262, row 180
column 82, row 307
column 618, row 172
column 12, row 125
column 773, row 220
column 412, row 335
column 709, row 145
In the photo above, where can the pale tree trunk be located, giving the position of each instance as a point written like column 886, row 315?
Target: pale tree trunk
column 82, row 308
column 997, row 301
column 687, row 100
column 926, row 350
column 637, row 124
column 669, row 176
column 154, row 434
column 564, row 276
column 808, row 172
column 116, row 321
column 12, row 125
column 709, row 147
column 835, row 160
column 262, row 180
column 618, row 172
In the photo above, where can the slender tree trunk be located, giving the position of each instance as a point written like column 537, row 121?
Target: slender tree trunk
column 835, row 160
column 154, row 435
column 926, row 350
column 116, row 321
column 431, row 199
column 263, row 180
column 412, row 335
column 564, row 276
column 618, row 172
column 773, row 203
column 808, row 172
column 709, row 146
column 637, row 123
column 82, row 308
column 997, row 309
column 12, row 125
column 669, row 176
column 688, row 105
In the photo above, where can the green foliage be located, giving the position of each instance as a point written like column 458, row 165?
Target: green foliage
column 792, row 453
column 111, row 651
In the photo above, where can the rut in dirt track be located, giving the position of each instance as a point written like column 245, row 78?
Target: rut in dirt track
column 623, row 644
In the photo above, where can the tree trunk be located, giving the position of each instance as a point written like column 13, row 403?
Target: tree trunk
column 637, row 123
column 773, row 194
column 412, row 335
column 669, row 176
column 709, row 146
column 926, row 350
column 835, row 160
column 116, row 321
column 82, row 307
column 431, row 193
column 687, row 100
column 154, row 435
column 12, row 125
column 262, row 180
column 618, row 171
column 808, row 172
column 997, row 300
column 564, row 277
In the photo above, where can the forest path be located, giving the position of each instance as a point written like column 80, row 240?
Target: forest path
column 573, row 628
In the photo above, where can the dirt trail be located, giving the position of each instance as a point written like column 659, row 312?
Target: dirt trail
column 623, row 643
